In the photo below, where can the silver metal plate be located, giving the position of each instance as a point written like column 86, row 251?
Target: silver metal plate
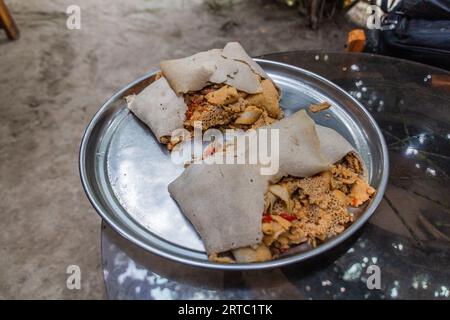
column 125, row 171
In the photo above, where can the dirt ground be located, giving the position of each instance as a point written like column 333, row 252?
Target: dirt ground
column 53, row 80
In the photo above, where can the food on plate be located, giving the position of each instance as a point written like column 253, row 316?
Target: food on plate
column 243, row 216
column 319, row 107
column 222, row 88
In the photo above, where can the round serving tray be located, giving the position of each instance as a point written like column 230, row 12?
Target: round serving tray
column 125, row 171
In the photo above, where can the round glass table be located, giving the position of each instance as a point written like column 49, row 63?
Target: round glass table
column 403, row 252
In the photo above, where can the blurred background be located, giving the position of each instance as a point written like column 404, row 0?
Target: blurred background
column 52, row 81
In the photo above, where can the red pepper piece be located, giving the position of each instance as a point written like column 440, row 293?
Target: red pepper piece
column 287, row 216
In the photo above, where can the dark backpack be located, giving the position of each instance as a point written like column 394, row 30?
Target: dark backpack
column 417, row 30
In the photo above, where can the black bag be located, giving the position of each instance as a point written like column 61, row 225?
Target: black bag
column 417, row 30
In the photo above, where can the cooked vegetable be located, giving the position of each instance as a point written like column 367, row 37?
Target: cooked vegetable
column 269, row 200
column 319, row 107
column 223, row 96
column 249, row 254
column 313, row 209
column 267, row 99
column 249, row 116
column 287, row 216
column 282, row 193
column 223, row 106
column 282, row 221
column 360, row 193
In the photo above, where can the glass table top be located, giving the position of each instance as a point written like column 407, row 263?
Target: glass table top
column 407, row 239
